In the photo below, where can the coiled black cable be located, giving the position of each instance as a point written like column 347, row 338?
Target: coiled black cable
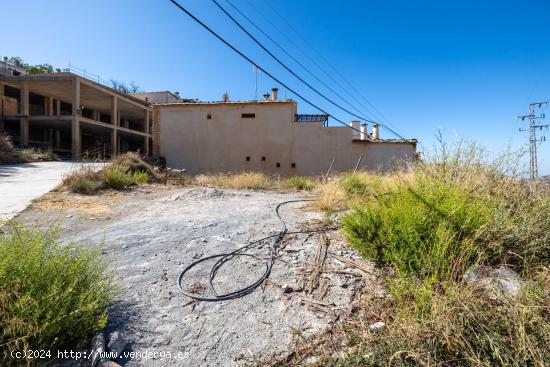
column 241, row 251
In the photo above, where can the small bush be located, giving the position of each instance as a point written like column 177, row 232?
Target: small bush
column 116, row 178
column 7, row 151
column 131, row 162
column 353, row 185
column 120, row 174
column 52, row 296
column 85, row 181
column 298, row 183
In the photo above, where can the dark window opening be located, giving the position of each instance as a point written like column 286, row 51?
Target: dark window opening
column 278, row 165
column 293, row 165
column 247, row 159
column 209, row 116
column 263, row 159
column 248, row 115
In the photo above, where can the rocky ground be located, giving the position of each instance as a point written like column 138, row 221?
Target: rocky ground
column 150, row 234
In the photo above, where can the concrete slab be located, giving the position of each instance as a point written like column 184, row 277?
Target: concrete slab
column 21, row 183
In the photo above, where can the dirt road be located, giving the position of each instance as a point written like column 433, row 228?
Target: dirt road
column 149, row 236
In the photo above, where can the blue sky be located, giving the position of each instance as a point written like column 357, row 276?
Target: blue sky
column 466, row 67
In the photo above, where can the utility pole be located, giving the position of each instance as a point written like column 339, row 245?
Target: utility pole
column 533, row 126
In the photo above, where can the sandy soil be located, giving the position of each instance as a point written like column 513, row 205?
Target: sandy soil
column 150, row 234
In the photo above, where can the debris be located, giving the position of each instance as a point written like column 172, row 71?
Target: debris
column 286, row 288
column 319, row 262
column 495, row 282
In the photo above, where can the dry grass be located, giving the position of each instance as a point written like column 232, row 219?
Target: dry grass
column 252, row 181
column 65, row 202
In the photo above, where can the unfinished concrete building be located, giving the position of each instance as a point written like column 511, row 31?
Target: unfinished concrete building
column 72, row 115
column 268, row 136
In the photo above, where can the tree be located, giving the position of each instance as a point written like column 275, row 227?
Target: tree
column 31, row 69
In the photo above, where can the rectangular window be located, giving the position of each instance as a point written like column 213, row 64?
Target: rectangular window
column 248, row 115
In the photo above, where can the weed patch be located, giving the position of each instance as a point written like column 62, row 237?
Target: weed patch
column 52, row 296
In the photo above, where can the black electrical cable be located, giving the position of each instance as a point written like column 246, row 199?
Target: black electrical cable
column 299, row 77
column 259, row 29
column 291, row 71
column 261, row 68
column 378, row 114
column 225, row 257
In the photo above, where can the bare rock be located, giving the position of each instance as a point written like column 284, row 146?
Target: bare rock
column 117, row 343
column 377, row 326
column 496, row 282
column 98, row 348
column 107, row 363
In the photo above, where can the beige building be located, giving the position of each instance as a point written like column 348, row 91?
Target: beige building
column 267, row 136
column 71, row 115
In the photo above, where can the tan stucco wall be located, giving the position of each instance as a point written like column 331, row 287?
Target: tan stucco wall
column 187, row 139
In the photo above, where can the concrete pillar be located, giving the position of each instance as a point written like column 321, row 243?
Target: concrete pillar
column 58, row 106
column 1, row 106
column 50, row 106
column 114, row 111
column 146, row 139
column 24, row 113
column 75, row 126
column 114, row 142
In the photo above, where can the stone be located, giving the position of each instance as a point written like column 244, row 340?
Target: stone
column 377, row 326
column 498, row 282
column 117, row 343
column 286, row 288
column 98, row 347
column 107, row 363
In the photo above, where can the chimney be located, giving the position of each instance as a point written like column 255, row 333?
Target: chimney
column 274, row 94
column 266, row 96
column 356, row 126
column 364, row 132
column 376, row 131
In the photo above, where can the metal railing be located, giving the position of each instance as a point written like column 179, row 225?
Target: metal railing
column 86, row 74
column 101, row 152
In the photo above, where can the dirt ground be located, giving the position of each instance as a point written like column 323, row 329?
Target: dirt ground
column 149, row 235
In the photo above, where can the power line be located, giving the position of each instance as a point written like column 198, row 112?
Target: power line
column 291, row 56
column 381, row 116
column 289, row 69
column 258, row 66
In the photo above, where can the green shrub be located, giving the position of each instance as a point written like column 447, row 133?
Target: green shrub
column 298, row 183
column 117, row 178
column 52, row 296
column 426, row 228
column 353, row 185
column 141, row 177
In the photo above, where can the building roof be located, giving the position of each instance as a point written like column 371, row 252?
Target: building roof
column 65, row 75
column 183, row 103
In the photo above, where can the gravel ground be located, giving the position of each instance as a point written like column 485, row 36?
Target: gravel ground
column 151, row 234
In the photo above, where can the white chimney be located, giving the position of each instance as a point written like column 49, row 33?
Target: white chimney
column 364, row 132
column 274, row 94
column 376, row 131
column 356, row 128
column 266, row 97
